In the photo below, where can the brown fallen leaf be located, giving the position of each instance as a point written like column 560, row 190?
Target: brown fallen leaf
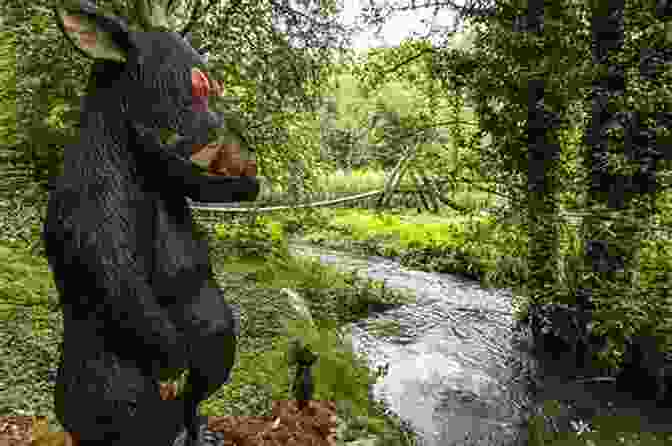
column 31, row 431
column 315, row 425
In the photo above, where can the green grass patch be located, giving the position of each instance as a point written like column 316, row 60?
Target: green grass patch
column 450, row 243
column 25, row 280
column 31, row 331
column 495, row 254
column 358, row 181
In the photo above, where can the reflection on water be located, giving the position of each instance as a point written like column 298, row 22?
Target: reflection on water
column 455, row 368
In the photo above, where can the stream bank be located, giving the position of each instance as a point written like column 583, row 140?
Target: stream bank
column 459, row 373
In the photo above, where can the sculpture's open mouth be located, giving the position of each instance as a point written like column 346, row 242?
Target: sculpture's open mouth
column 227, row 159
column 224, row 156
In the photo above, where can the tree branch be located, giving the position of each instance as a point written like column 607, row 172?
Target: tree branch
column 474, row 8
column 195, row 15
column 409, row 60
column 307, row 17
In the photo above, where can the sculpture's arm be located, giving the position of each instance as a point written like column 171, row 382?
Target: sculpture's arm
column 220, row 189
column 171, row 163
column 131, row 303
column 183, row 147
column 87, row 265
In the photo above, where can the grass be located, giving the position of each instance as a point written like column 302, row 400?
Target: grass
column 31, row 326
column 357, row 181
column 31, row 331
column 401, row 231
column 364, row 180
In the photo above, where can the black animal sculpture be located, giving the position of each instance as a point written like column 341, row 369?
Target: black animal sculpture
column 136, row 288
column 303, row 386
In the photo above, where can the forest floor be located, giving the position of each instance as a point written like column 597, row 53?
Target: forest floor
column 31, row 331
column 31, row 324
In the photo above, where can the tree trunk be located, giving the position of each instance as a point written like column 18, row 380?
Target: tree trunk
column 395, row 178
column 617, row 203
column 543, row 156
column 433, row 191
column 423, row 194
column 604, row 253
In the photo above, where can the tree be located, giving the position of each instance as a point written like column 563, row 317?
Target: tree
column 622, row 156
column 498, row 77
column 543, row 154
column 275, row 58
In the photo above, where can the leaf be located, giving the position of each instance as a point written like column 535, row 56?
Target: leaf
column 40, row 427
column 368, row 441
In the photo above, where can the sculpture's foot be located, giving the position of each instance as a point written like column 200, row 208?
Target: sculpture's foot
column 205, row 436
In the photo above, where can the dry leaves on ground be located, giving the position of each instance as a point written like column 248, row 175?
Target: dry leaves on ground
column 315, row 425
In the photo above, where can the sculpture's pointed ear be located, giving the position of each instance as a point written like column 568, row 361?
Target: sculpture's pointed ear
column 95, row 35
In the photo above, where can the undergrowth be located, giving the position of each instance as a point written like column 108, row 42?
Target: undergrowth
column 251, row 258
column 31, row 332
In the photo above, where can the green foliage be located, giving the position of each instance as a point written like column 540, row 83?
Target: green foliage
column 602, row 431
column 299, row 220
column 21, row 216
column 496, row 254
column 413, row 87
column 8, row 91
column 649, row 310
column 335, row 377
column 277, row 84
column 25, row 280
column 30, row 337
column 339, row 375
column 300, row 273
column 359, row 180
column 500, row 66
column 299, row 142
column 262, row 237
column 28, row 340
column 405, row 105
column 475, row 246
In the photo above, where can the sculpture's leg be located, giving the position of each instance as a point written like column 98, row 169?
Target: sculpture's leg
column 184, row 438
column 212, row 330
column 160, row 425
column 102, row 400
column 150, row 425
column 196, row 393
column 303, row 386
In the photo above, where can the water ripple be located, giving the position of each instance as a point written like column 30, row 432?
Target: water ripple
column 456, row 370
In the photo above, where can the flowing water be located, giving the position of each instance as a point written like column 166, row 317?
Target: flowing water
column 457, row 371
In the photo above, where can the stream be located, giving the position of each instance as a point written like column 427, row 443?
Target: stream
column 458, row 372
